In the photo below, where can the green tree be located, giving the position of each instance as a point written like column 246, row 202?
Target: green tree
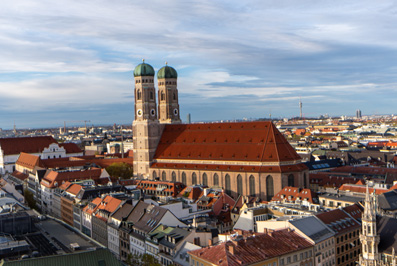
column 142, row 260
column 121, row 170
column 29, row 199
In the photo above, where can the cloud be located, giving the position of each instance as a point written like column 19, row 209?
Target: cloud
column 63, row 57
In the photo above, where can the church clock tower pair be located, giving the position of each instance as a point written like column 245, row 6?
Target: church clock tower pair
column 149, row 120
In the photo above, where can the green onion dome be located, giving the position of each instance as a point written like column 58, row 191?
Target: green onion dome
column 143, row 70
column 167, row 72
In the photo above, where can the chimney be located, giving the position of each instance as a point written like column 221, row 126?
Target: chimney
column 232, row 249
column 210, row 243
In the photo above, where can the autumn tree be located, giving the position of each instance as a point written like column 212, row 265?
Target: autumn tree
column 121, row 170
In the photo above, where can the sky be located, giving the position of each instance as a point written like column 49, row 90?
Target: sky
column 73, row 60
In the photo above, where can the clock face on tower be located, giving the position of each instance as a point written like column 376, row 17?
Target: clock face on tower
column 175, row 112
column 152, row 112
column 139, row 112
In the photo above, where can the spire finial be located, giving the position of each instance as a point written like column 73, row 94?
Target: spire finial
column 166, row 63
column 143, row 60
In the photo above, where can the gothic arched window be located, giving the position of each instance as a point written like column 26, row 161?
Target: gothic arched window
column 184, row 178
column 162, row 96
column 252, row 185
column 205, row 179
column 291, row 181
column 216, row 180
column 304, row 181
column 139, row 94
column 154, row 175
column 163, row 176
column 151, row 95
column 173, row 176
column 269, row 187
column 194, row 179
column 227, row 184
column 239, row 185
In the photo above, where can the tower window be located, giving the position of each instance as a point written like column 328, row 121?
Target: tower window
column 174, row 96
column 162, row 96
column 151, row 95
column 139, row 94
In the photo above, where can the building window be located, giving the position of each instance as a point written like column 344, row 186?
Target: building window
column 139, row 94
column 173, row 176
column 194, row 179
column 163, row 176
column 252, row 185
column 205, row 179
column 184, row 178
column 291, row 181
column 162, row 96
column 239, row 185
column 269, row 187
column 227, row 184
column 154, row 175
column 216, row 180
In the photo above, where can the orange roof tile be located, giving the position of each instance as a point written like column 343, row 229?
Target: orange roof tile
column 71, row 147
column 19, row 175
column 28, row 160
column 294, row 193
column 74, row 189
column 25, row 144
column 242, row 141
column 252, row 249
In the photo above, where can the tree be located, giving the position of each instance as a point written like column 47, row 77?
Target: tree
column 29, row 199
column 121, row 170
column 142, row 260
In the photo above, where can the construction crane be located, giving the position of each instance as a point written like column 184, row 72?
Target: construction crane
column 80, row 121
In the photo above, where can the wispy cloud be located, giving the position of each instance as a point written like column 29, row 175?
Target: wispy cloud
column 235, row 59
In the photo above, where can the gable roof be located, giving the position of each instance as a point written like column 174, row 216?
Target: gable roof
column 29, row 160
column 339, row 221
column 25, row 144
column 254, row 249
column 294, row 193
column 242, row 141
column 71, row 147
column 54, row 178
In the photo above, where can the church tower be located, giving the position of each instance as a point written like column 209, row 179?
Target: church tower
column 369, row 237
column 146, row 128
column 168, row 95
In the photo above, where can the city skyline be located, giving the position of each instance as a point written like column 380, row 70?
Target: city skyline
column 73, row 60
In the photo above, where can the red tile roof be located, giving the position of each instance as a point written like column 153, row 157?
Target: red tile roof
column 19, row 175
column 74, row 189
column 354, row 211
column 331, row 179
column 362, row 189
column 25, row 144
column 29, row 160
column 291, row 194
column 71, row 147
column 55, row 179
column 339, row 221
column 243, row 141
column 191, row 192
column 251, row 250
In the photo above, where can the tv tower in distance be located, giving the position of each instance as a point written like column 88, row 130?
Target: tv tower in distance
column 300, row 108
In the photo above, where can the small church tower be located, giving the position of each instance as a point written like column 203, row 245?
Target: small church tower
column 369, row 237
column 146, row 128
column 168, row 95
